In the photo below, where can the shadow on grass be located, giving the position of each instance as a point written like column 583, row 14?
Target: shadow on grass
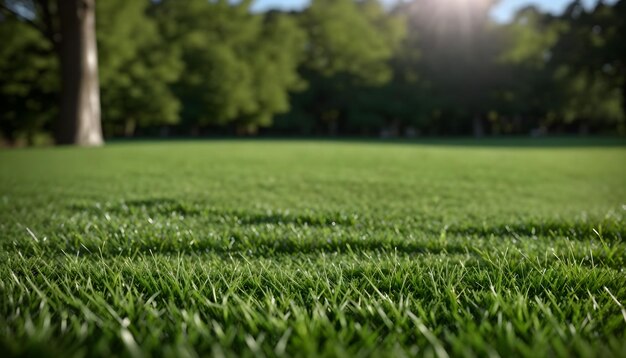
column 278, row 246
column 511, row 142
column 168, row 207
column 150, row 206
column 495, row 142
column 286, row 247
column 580, row 230
column 613, row 230
column 247, row 233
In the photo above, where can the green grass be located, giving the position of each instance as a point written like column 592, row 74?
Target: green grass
column 302, row 248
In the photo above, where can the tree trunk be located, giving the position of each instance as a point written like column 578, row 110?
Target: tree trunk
column 195, row 130
column 80, row 96
column 477, row 126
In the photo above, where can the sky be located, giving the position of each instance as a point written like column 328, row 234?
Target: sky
column 502, row 12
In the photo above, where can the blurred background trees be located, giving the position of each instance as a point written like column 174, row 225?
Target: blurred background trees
column 137, row 69
column 338, row 67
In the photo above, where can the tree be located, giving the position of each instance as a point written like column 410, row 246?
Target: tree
column 274, row 60
column 28, row 81
column 530, row 95
column 589, row 61
column 348, row 48
column 239, row 66
column 69, row 25
column 457, row 64
column 137, row 68
column 570, row 72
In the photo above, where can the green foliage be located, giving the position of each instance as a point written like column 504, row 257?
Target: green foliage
column 239, row 66
column 136, row 68
column 529, row 38
column 594, row 74
column 339, row 67
column 565, row 57
column 275, row 57
column 28, row 81
column 350, row 44
column 526, row 54
column 457, row 67
column 355, row 38
column 284, row 248
column 589, row 98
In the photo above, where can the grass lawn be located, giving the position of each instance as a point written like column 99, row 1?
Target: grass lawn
column 304, row 248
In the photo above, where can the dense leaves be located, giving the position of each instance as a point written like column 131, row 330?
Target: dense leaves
column 136, row 68
column 28, row 81
column 239, row 66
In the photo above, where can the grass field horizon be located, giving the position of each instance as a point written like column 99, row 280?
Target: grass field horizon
column 309, row 248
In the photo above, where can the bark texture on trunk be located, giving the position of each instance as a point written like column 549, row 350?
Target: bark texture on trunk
column 80, row 97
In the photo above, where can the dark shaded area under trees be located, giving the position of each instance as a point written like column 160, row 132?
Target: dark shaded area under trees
column 339, row 67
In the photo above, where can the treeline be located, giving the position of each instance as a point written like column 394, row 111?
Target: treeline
column 338, row 67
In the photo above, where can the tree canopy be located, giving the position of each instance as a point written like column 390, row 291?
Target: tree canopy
column 337, row 67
